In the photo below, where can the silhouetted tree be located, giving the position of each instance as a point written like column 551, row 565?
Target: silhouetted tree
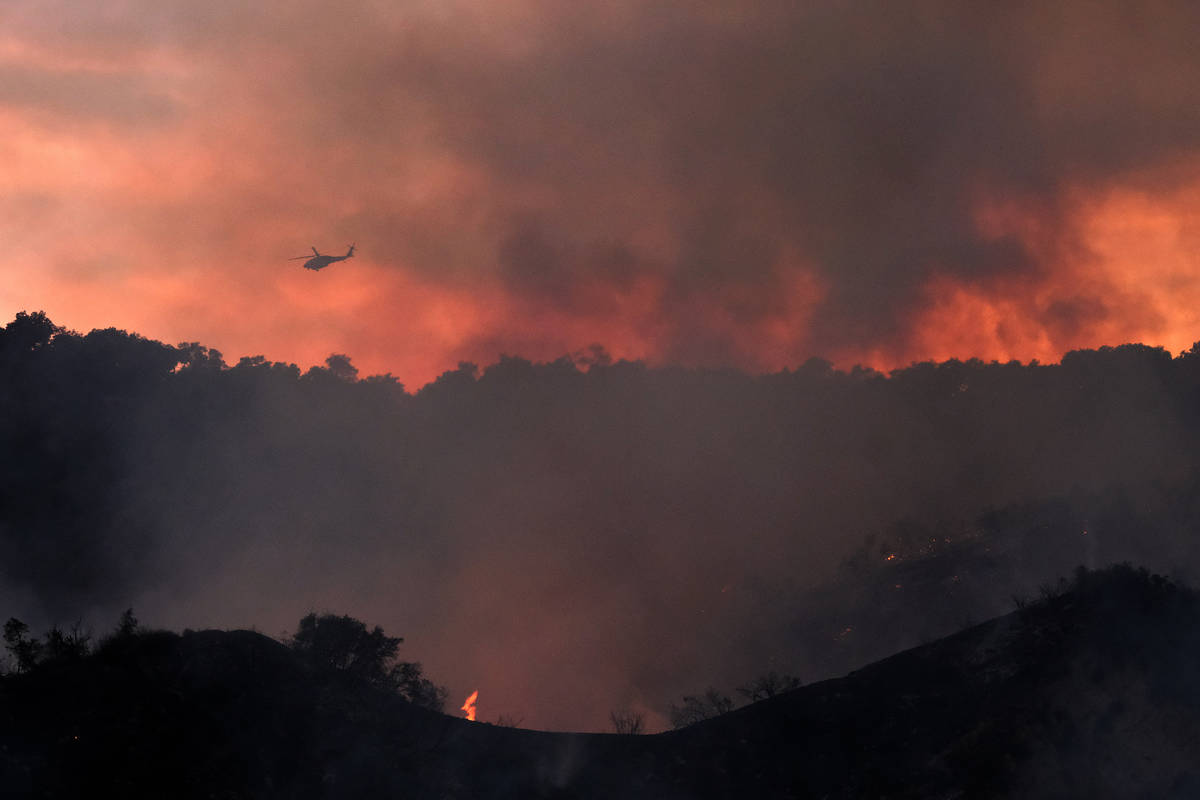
column 628, row 723
column 27, row 332
column 342, row 644
column 26, row 650
column 406, row 678
column 697, row 708
column 198, row 358
column 768, row 685
column 66, row 645
column 338, row 367
column 127, row 625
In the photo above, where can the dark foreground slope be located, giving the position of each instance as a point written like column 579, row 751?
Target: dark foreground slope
column 1094, row 692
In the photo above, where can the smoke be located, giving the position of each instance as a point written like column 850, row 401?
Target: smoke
column 571, row 542
column 682, row 182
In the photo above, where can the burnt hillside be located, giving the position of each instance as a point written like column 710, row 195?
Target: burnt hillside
column 1092, row 690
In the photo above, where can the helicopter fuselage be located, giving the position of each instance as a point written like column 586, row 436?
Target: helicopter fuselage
column 320, row 262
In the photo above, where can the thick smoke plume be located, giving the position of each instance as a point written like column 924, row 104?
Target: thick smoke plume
column 684, row 182
column 572, row 541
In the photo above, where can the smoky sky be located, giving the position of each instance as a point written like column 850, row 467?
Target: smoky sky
column 679, row 182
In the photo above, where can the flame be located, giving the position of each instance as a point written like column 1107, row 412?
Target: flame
column 469, row 705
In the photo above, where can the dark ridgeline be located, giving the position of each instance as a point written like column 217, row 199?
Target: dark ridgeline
column 133, row 466
column 1091, row 691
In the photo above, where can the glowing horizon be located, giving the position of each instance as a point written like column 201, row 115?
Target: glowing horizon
column 532, row 180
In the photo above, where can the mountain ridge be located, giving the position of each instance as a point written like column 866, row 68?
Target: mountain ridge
column 1092, row 689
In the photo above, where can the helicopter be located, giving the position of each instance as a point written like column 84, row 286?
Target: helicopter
column 318, row 261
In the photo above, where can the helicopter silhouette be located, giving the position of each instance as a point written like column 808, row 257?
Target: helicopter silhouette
column 318, row 261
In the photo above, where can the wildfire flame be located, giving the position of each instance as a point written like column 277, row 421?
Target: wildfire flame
column 469, row 705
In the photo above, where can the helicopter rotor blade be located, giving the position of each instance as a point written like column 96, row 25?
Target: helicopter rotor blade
column 297, row 258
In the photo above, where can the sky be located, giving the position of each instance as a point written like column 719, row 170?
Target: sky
column 697, row 183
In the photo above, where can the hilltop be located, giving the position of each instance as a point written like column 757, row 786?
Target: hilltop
column 1093, row 690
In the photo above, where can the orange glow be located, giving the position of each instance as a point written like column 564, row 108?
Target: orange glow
column 469, row 705
column 176, row 222
column 1133, row 276
column 1129, row 271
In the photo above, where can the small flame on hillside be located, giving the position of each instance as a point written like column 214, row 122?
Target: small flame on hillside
column 469, row 705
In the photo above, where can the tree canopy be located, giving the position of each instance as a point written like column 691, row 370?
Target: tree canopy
column 344, row 645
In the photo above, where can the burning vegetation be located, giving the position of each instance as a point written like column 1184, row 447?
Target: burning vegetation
column 468, row 706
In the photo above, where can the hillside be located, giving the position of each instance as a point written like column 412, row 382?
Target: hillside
column 587, row 513
column 1094, row 691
